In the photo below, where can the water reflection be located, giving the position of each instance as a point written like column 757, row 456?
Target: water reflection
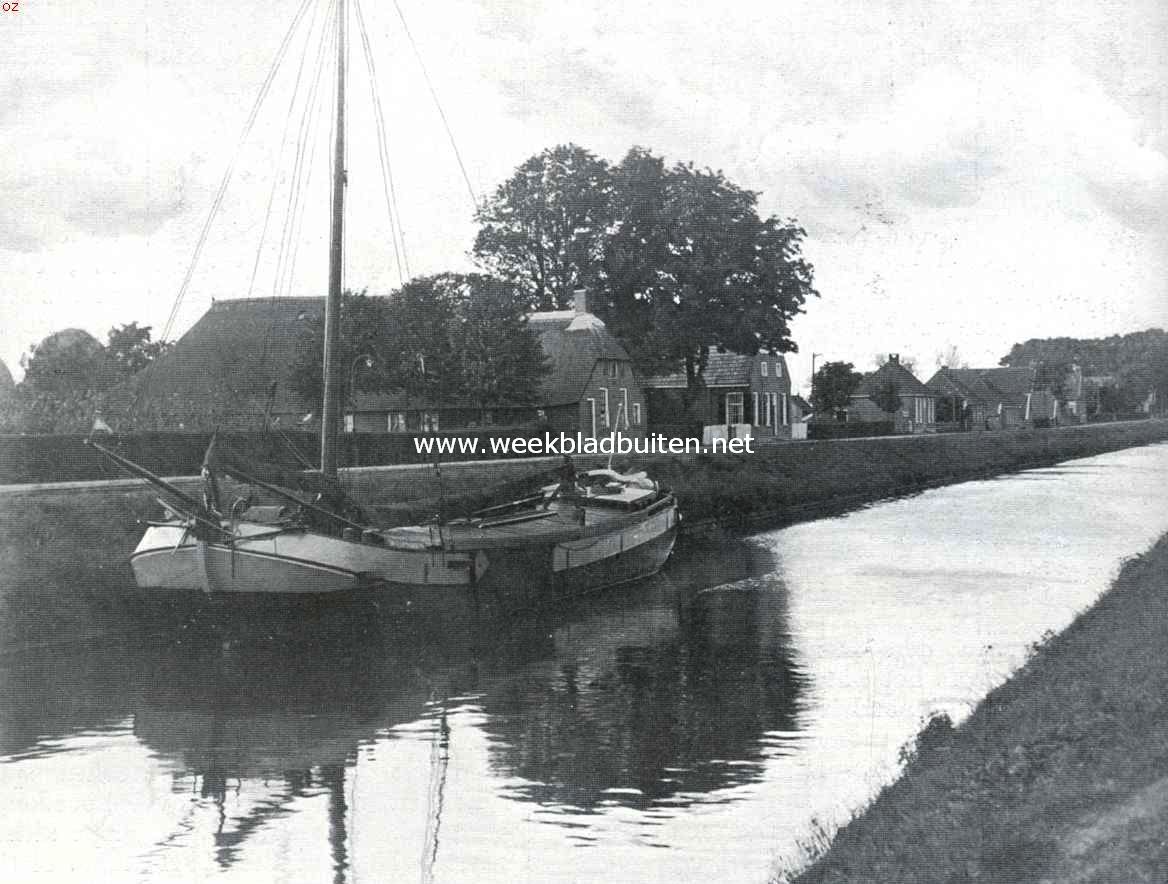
column 674, row 730
column 632, row 697
column 645, row 705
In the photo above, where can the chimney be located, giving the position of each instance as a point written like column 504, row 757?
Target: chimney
column 580, row 301
column 894, row 358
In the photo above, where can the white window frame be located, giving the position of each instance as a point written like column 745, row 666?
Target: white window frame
column 762, row 367
column 754, row 416
column 592, row 411
column 604, row 408
column 786, row 409
column 778, row 368
column 637, row 413
column 625, row 400
column 350, row 422
column 739, row 404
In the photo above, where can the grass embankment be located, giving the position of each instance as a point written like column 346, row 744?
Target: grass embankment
column 64, row 552
column 787, row 483
column 1060, row 775
column 63, row 560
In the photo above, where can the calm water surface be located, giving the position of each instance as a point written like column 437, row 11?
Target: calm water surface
column 688, row 729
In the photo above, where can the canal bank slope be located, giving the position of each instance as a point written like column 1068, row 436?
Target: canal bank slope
column 1060, row 775
column 64, row 548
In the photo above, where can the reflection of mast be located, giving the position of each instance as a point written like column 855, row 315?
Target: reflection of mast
column 439, row 761
column 333, row 776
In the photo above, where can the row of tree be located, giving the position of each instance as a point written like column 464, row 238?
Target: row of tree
column 67, row 374
column 1124, row 369
column 676, row 260
column 452, row 338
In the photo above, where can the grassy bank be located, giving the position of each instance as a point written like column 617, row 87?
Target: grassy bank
column 64, row 551
column 63, row 562
column 788, row 483
column 1060, row 775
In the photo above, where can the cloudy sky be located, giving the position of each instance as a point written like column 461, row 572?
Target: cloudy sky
column 969, row 174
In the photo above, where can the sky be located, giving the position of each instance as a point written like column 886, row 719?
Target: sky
column 969, row 174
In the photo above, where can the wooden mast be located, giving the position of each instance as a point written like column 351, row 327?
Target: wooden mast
column 330, row 412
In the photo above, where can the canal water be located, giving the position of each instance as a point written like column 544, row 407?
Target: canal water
column 692, row 728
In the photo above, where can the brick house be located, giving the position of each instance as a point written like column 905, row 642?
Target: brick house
column 918, row 404
column 736, row 397
column 591, row 388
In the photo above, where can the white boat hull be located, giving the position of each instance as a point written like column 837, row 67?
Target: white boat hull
column 298, row 562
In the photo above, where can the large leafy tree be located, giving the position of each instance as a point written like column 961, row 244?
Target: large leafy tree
column 67, row 363
column 130, row 348
column 68, row 375
column 543, row 229
column 501, row 360
column 677, row 259
column 366, row 349
column 833, row 385
column 449, row 338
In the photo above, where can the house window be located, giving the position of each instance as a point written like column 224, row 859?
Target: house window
column 395, row 422
column 613, row 369
column 637, row 413
column 754, row 416
column 488, row 418
column 429, row 422
column 592, row 414
column 786, row 409
column 349, row 423
column 625, row 403
column 603, row 405
column 778, row 369
column 734, row 408
column 767, row 412
column 762, row 366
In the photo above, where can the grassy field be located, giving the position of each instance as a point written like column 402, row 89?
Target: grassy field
column 1060, row 775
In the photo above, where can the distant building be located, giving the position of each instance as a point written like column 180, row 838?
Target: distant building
column 993, row 398
column 232, row 369
column 593, row 387
column 735, row 397
column 918, row 404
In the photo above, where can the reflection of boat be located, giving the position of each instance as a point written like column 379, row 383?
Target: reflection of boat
column 618, row 529
column 336, row 721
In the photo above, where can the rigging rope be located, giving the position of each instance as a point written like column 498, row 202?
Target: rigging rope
column 307, row 136
column 283, row 143
column 296, row 91
column 438, row 104
column 217, row 202
column 387, row 185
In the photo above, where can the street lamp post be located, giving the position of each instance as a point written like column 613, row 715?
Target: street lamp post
column 366, row 360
